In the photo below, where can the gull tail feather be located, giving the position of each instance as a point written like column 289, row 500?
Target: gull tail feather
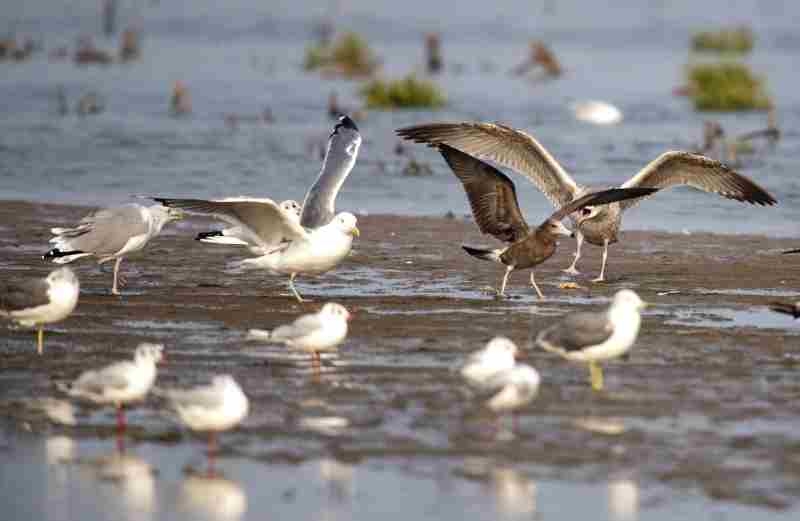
column 483, row 253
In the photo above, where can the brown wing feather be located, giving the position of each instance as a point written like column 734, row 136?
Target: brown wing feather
column 491, row 195
column 505, row 146
column 604, row 197
column 701, row 172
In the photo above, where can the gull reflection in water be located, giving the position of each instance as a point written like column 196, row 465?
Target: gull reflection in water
column 210, row 497
column 59, row 449
column 133, row 482
column 623, row 500
column 514, row 492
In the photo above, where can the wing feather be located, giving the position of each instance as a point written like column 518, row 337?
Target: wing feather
column 604, row 197
column 576, row 332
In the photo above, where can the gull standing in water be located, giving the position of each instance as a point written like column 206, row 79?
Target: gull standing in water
column 322, row 238
column 594, row 337
column 110, row 233
column 598, row 225
column 119, row 383
column 220, row 406
column 493, row 199
column 314, row 332
column 39, row 301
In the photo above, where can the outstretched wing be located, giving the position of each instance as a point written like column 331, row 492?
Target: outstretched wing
column 340, row 157
column 505, row 146
column 262, row 220
column 604, row 197
column 491, row 195
column 701, row 172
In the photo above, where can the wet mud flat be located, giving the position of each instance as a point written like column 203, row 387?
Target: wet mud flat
column 702, row 417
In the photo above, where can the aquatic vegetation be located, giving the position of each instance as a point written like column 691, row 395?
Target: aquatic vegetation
column 737, row 40
column 726, row 86
column 348, row 56
column 408, row 92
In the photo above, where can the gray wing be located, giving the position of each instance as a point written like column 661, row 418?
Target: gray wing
column 115, row 376
column 207, row 397
column 264, row 222
column 16, row 295
column 106, row 231
column 577, row 331
column 299, row 328
column 505, row 146
column 340, row 157
column 491, row 195
column 701, row 172
column 598, row 198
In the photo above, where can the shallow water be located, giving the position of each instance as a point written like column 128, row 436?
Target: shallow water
column 631, row 54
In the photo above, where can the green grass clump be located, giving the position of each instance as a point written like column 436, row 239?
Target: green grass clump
column 726, row 86
column 738, row 40
column 348, row 56
column 405, row 93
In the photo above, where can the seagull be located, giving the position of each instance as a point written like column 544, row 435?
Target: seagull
column 600, row 226
column 110, row 233
column 499, row 355
column 220, row 406
column 119, row 383
column 787, row 308
column 493, row 199
column 241, row 237
column 33, row 302
column 314, row 332
column 315, row 245
column 596, row 336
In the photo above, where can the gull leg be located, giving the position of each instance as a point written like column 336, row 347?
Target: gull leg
column 212, row 451
column 120, row 418
column 40, row 340
column 573, row 270
column 502, row 293
column 601, row 278
column 538, row 291
column 294, row 291
column 114, row 290
column 596, row 373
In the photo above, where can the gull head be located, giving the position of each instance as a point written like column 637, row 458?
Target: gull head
column 332, row 309
column 556, row 228
column 290, row 206
column 346, row 222
column 628, row 299
column 501, row 348
column 162, row 214
column 152, row 353
column 62, row 276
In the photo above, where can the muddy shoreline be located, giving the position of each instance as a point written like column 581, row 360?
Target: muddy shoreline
column 707, row 401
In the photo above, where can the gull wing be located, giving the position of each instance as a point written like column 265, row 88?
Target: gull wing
column 604, row 197
column 266, row 223
column 16, row 295
column 104, row 232
column 491, row 195
column 340, row 157
column 576, row 331
column 701, row 172
column 301, row 327
column 114, row 376
column 206, row 397
column 505, row 146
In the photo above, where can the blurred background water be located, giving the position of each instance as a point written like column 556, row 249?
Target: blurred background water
column 241, row 56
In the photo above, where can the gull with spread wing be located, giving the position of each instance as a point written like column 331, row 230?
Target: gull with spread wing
column 493, row 199
column 598, row 225
column 315, row 245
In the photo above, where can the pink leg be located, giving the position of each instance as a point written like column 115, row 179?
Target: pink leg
column 212, row 452
column 121, row 424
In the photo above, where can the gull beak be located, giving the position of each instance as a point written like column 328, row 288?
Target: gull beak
column 355, row 232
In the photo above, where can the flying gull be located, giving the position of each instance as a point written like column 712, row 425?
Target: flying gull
column 319, row 241
column 600, row 225
column 33, row 302
column 240, row 236
column 220, row 406
column 119, row 383
column 314, row 332
column 110, row 233
column 493, row 199
column 596, row 336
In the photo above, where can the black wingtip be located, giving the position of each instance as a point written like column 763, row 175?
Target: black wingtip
column 206, row 235
column 788, row 309
column 55, row 253
column 791, row 251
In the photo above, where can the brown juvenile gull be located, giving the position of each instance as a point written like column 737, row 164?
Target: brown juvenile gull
column 110, row 233
column 593, row 337
column 600, row 225
column 38, row 301
column 494, row 205
column 315, row 245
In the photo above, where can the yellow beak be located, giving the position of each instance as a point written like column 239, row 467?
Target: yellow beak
column 355, row 232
